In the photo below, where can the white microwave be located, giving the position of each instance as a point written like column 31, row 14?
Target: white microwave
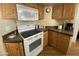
column 26, row 13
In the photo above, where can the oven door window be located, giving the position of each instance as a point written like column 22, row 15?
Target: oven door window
column 34, row 45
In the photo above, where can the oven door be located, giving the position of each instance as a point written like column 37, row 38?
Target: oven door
column 33, row 46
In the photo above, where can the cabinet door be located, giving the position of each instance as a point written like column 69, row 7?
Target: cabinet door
column 32, row 5
column 41, row 12
column 52, row 38
column 65, row 45
column 21, row 49
column 62, row 42
column 9, row 11
column 69, row 11
column 12, row 49
column 45, row 38
column 59, row 42
column 57, row 11
column 0, row 10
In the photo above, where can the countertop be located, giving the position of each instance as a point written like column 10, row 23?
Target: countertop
column 16, row 39
column 54, row 28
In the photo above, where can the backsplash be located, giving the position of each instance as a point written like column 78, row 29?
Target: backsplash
column 26, row 22
column 7, row 26
column 48, row 21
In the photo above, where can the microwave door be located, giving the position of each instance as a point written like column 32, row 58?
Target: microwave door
column 26, row 13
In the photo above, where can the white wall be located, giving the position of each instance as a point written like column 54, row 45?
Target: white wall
column 6, row 26
column 2, row 48
column 76, row 26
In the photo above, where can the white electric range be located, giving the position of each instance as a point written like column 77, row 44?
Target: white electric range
column 32, row 39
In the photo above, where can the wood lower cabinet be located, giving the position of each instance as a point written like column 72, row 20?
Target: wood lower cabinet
column 59, row 41
column 52, row 38
column 14, row 49
column 8, row 11
column 63, row 42
column 45, row 38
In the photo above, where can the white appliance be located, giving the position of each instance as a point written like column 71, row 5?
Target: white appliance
column 33, row 44
column 26, row 13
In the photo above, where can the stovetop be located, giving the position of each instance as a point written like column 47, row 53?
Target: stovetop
column 26, row 34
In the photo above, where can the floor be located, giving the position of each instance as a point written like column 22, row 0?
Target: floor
column 50, row 51
column 74, row 50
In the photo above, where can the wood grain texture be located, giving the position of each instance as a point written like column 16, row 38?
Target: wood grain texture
column 8, row 11
column 52, row 37
column 69, row 11
column 32, row 5
column 45, row 38
column 0, row 10
column 64, row 11
column 14, row 49
column 21, row 49
column 41, row 11
column 57, row 11
column 63, row 42
column 59, row 41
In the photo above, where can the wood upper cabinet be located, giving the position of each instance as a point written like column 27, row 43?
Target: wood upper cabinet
column 32, row 5
column 41, row 12
column 8, row 11
column 0, row 11
column 69, row 11
column 57, row 11
column 14, row 49
column 45, row 38
column 63, row 11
